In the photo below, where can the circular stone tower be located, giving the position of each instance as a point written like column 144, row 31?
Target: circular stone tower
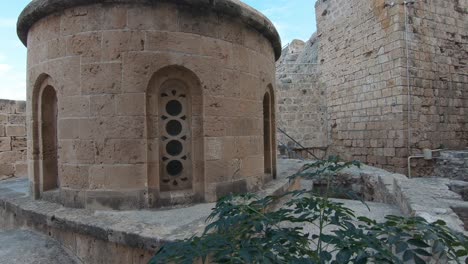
column 147, row 103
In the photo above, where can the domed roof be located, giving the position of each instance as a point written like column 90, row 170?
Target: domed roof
column 39, row 9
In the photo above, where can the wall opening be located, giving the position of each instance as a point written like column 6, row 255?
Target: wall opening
column 267, row 138
column 176, row 137
column 48, row 139
column 174, row 123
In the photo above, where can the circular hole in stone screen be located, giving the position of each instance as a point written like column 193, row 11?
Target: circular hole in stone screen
column 174, row 168
column 174, row 148
column 173, row 127
column 174, row 107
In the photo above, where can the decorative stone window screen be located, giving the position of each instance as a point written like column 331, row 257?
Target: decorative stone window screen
column 176, row 140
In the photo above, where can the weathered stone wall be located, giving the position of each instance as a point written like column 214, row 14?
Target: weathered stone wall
column 438, row 52
column 13, row 139
column 361, row 56
column 373, row 115
column 107, row 62
column 453, row 165
column 301, row 98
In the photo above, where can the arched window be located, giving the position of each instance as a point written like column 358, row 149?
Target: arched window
column 176, row 159
column 267, row 138
column 48, row 139
column 176, row 136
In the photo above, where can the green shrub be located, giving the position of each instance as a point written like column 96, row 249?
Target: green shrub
column 249, row 229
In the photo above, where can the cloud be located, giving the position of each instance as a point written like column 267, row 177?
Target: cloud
column 13, row 85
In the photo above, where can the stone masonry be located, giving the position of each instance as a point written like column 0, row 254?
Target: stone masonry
column 395, row 80
column 135, row 104
column 453, row 165
column 301, row 105
column 13, row 139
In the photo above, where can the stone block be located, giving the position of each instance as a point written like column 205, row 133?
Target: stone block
column 7, row 106
column 16, row 131
column 69, row 128
column 19, row 143
column 17, row 119
column 74, row 176
column 74, row 106
column 117, row 177
column 114, row 17
column 5, row 143
column 7, row 169
column 198, row 22
column 213, row 126
column 86, row 45
column 227, row 188
column 163, row 18
column 230, row 30
column 68, row 77
column 102, row 105
column 121, row 151
column 213, row 148
column 173, row 41
column 3, row 118
column 101, row 78
column 77, row 151
column 21, row 170
column 56, row 48
column 11, row 157
column 117, row 42
column 120, row 127
column 216, row 171
column 130, row 104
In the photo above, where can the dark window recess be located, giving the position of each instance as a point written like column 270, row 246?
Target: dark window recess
column 174, row 108
column 174, row 147
column 173, row 127
column 174, row 168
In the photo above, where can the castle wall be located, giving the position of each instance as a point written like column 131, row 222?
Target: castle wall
column 438, row 52
column 362, row 57
column 363, row 60
column 301, row 100
column 13, row 139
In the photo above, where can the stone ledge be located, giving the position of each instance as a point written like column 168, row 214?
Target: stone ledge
column 429, row 198
column 144, row 229
column 39, row 9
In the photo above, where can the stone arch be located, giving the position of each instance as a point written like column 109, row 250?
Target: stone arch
column 175, row 134
column 45, row 137
column 269, row 133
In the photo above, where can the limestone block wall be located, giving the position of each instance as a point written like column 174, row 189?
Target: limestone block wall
column 301, row 98
column 361, row 55
column 453, row 165
column 109, row 64
column 13, row 147
column 438, row 52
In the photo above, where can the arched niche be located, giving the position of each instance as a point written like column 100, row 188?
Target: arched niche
column 45, row 176
column 269, row 134
column 175, row 136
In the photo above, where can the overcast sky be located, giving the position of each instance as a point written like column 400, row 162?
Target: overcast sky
column 293, row 19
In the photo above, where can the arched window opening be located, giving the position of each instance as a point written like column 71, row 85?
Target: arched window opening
column 48, row 139
column 267, row 138
column 176, row 137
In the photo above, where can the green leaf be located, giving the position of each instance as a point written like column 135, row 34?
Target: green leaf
column 343, row 256
column 418, row 243
column 325, row 256
column 408, row 255
column 418, row 260
column 400, row 247
column 461, row 253
column 422, row 252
